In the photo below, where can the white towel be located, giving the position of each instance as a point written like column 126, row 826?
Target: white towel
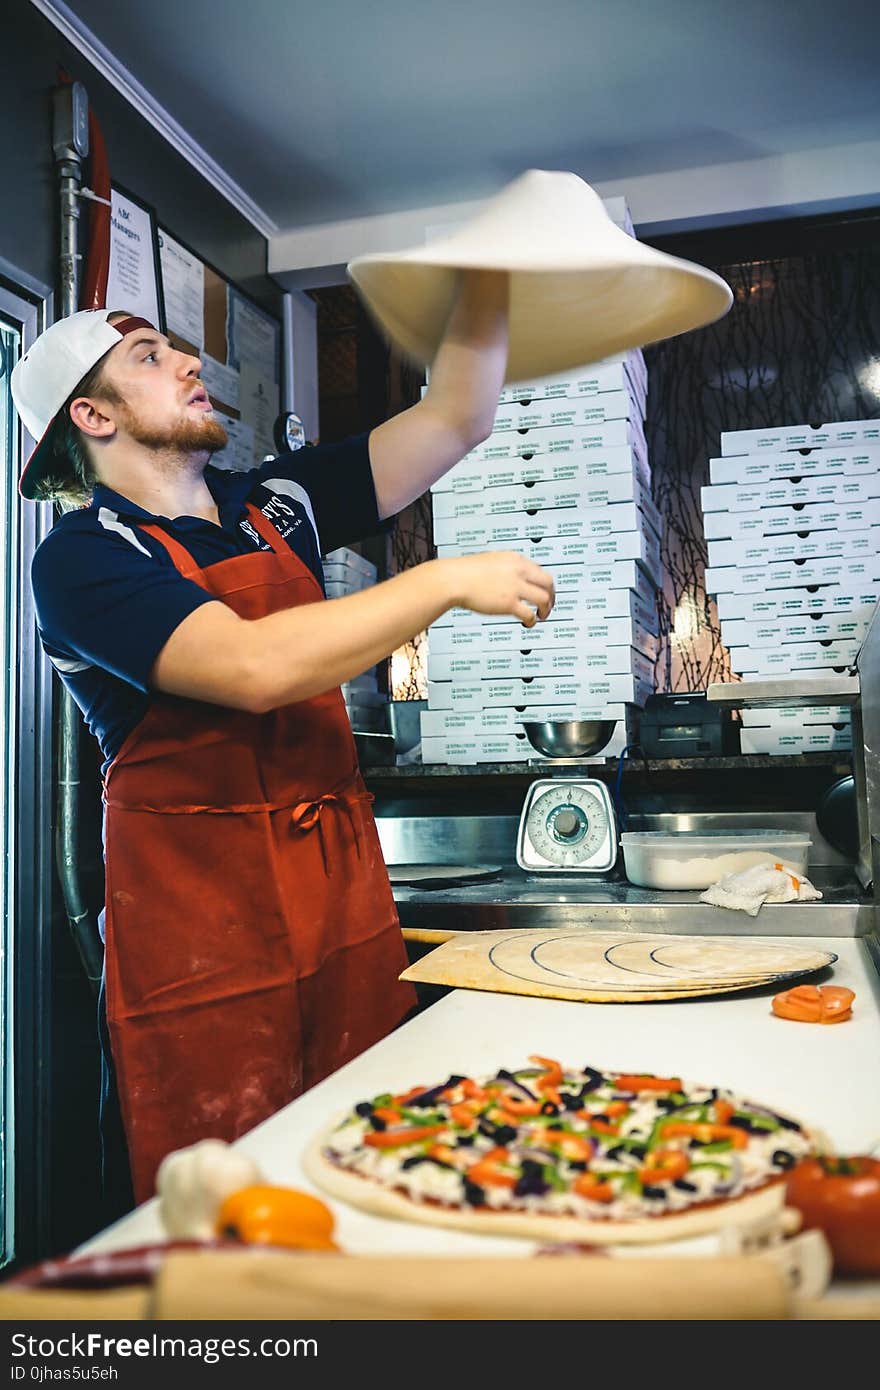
column 749, row 889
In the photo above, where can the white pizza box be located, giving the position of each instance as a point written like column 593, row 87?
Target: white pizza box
column 582, row 381
column 814, row 738
column 583, row 493
column 569, row 558
column 780, row 717
column 433, row 750
column 513, row 636
column 822, row 600
column 565, row 412
column 780, row 521
column 587, row 465
column 561, row 690
column 542, row 663
column 785, row 492
column 455, row 695
column 579, row 523
column 344, row 555
column 479, row 723
column 614, row 434
column 551, row 714
column 345, row 580
column 595, row 606
column 458, row 617
column 834, row 433
column 605, row 632
column 764, row 579
column 774, row 550
column 583, row 699
column 639, row 605
column 788, row 660
column 595, row 580
column 750, row 470
column 831, row 627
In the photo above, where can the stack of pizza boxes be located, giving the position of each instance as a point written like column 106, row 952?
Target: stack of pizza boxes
column 792, row 522
column 564, row 478
column 347, row 572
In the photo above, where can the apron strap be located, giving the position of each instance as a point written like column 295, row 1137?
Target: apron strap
column 270, row 534
column 185, row 563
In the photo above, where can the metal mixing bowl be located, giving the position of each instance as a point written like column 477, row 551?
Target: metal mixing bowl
column 572, row 738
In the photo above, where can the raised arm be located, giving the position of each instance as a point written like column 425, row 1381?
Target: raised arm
column 411, row 451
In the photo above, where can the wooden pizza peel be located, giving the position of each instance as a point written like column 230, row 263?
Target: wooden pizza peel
column 612, row 967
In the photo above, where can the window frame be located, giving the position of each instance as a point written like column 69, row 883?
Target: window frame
column 28, row 306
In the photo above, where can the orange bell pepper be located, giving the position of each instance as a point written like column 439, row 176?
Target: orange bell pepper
column 705, row 1133
column 598, row 1123
column 724, row 1111
column 647, row 1083
column 588, row 1185
column 394, row 1138
column 572, row 1146
column 465, row 1112
column 552, row 1074
column 408, row 1095
column 664, row 1165
column 516, row 1107
column 488, row 1173
column 384, row 1112
column 815, row 1004
column 442, row 1153
column 264, row 1215
column 616, row 1108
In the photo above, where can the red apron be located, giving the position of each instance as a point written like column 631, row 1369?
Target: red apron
column 253, row 945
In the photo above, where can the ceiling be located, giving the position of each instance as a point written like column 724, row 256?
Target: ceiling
column 340, row 109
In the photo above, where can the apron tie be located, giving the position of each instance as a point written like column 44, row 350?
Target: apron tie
column 309, row 814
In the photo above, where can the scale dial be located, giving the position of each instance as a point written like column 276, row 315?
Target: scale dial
column 567, row 826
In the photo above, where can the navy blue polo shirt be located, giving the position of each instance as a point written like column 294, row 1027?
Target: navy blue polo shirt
column 108, row 596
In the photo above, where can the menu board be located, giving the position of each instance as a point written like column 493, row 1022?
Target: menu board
column 239, row 346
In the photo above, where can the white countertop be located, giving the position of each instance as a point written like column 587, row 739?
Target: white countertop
column 825, row 1076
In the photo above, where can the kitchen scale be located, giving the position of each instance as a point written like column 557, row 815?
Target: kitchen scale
column 567, row 826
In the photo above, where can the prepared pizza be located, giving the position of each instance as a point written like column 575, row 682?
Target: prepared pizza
column 562, row 1154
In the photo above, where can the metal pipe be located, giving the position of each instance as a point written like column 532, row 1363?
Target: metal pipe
column 83, row 926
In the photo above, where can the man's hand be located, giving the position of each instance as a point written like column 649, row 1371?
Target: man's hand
column 501, row 582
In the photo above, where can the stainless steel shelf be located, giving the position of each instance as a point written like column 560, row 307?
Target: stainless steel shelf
column 794, row 693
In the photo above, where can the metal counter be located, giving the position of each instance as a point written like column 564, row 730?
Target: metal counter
column 517, row 899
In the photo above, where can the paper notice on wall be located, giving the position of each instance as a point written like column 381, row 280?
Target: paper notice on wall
column 258, row 405
column 252, row 338
column 239, row 452
column 221, row 383
column 132, row 281
column 183, row 284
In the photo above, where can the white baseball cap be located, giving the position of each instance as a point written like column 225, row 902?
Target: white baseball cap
column 50, row 371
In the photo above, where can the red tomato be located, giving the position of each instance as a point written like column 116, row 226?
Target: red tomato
column 841, row 1197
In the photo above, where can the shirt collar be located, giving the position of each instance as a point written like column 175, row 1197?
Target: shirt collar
column 224, row 485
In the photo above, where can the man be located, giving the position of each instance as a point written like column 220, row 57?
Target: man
column 252, row 944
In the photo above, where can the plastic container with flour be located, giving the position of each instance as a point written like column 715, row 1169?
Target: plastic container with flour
column 682, row 859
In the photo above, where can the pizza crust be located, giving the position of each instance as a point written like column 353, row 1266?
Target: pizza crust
column 706, row 1217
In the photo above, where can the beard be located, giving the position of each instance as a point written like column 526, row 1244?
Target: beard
column 184, row 436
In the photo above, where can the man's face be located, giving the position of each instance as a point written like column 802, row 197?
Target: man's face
column 162, row 403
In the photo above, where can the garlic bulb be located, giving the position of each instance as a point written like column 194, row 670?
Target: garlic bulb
column 193, row 1183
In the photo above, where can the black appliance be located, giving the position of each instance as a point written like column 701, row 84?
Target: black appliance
column 687, row 726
